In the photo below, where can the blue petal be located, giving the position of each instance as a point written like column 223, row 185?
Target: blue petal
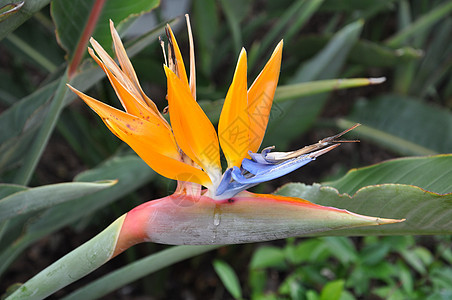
column 252, row 173
column 229, row 187
column 261, row 157
column 266, row 172
column 255, row 167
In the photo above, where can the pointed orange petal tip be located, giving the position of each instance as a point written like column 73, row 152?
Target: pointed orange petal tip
column 180, row 67
column 260, row 97
column 234, row 123
column 194, row 132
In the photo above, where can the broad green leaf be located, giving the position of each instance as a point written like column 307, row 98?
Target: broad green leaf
column 46, row 196
column 71, row 16
column 425, row 212
column 299, row 115
column 24, row 13
column 405, row 125
column 429, row 173
column 131, row 173
column 417, row 189
column 228, row 277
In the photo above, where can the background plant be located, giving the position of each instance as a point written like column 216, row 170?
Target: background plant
column 409, row 115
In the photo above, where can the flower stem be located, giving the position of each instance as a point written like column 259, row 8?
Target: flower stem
column 84, row 38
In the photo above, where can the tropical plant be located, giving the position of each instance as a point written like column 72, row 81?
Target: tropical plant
column 409, row 115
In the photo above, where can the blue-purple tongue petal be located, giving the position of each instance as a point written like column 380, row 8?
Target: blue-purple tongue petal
column 267, row 172
column 269, row 165
column 259, row 169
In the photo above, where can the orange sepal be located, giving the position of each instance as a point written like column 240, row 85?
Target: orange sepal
column 234, row 123
column 127, row 67
column 129, row 100
column 260, row 98
column 152, row 141
column 180, row 67
column 194, row 132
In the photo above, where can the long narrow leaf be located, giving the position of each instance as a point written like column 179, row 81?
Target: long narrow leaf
column 403, row 124
column 32, row 157
column 137, row 270
column 424, row 22
column 46, row 196
column 131, row 173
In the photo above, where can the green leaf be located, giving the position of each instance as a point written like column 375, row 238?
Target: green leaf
column 32, row 156
column 8, row 189
column 74, row 265
column 131, row 173
column 231, row 9
column 363, row 53
column 435, row 64
column 342, row 248
column 19, row 123
column 354, row 6
column 267, row 257
column 424, row 22
column 403, row 124
column 46, row 196
column 9, row 10
column 332, row 290
column 426, row 211
column 228, row 277
column 24, row 13
column 429, row 173
column 206, row 24
column 70, row 18
column 293, row 17
column 136, row 270
column 294, row 91
column 310, row 250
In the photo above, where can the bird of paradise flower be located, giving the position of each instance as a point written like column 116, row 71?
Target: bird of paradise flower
column 209, row 206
